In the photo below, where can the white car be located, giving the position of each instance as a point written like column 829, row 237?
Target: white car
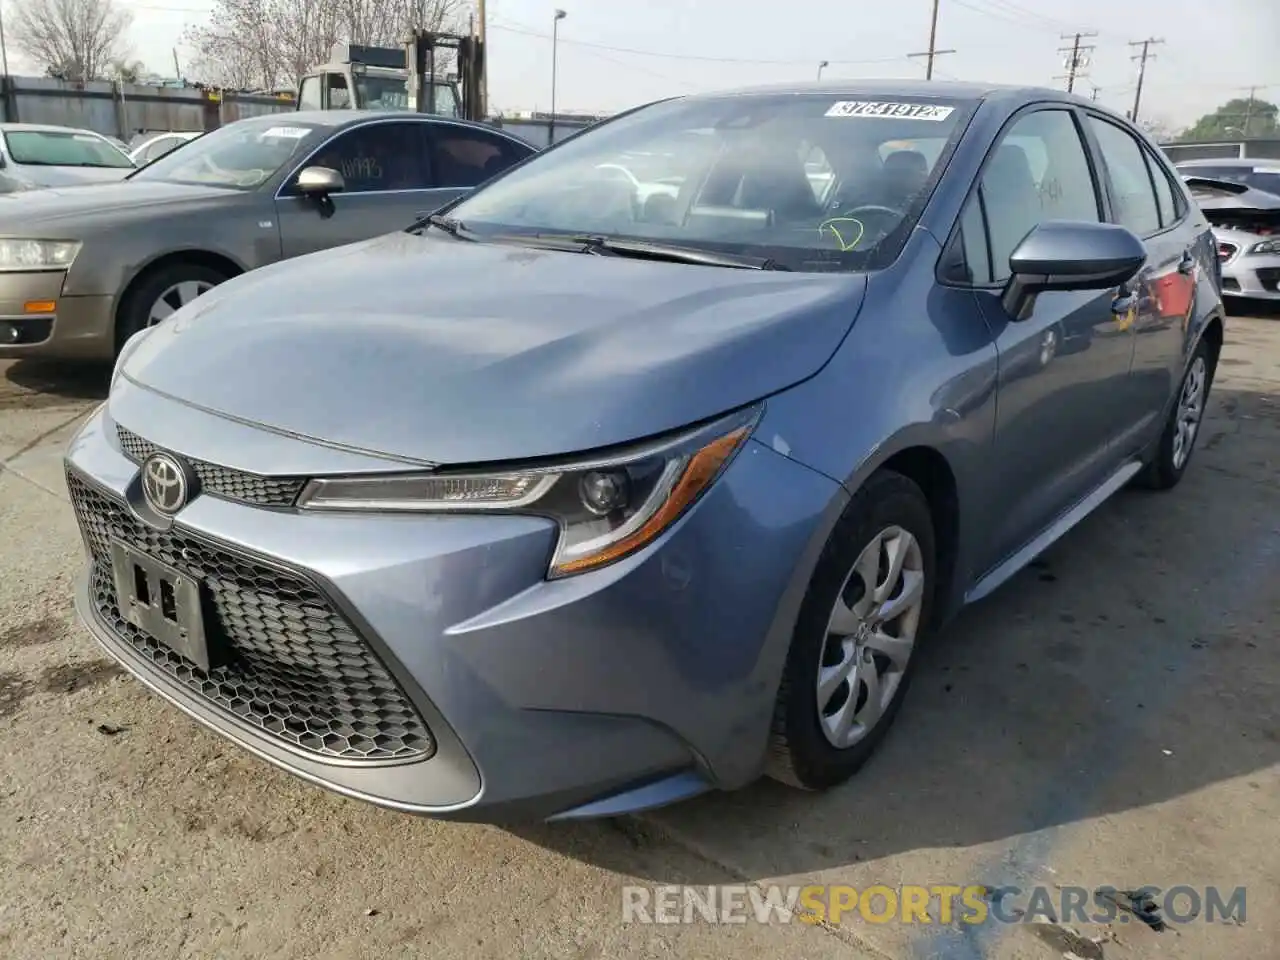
column 157, row 146
column 1241, row 199
column 34, row 155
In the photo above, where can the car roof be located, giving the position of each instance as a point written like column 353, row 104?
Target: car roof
column 339, row 118
column 957, row 90
column 44, row 128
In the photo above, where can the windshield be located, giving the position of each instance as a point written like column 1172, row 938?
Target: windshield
column 240, row 156
column 378, row 92
column 812, row 181
column 63, row 148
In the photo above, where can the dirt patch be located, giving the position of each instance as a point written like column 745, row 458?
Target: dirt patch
column 34, row 633
column 70, row 677
column 14, row 688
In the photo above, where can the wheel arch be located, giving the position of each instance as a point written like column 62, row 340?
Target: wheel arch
column 195, row 255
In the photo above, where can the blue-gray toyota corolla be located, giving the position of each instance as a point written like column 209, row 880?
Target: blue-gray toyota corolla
column 646, row 469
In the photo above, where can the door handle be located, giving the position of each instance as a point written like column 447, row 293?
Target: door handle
column 1188, row 262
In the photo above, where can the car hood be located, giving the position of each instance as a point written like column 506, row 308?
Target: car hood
column 71, row 202
column 438, row 350
column 73, row 176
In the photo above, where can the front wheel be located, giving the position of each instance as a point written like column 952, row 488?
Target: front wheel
column 161, row 293
column 852, row 654
column 1178, row 440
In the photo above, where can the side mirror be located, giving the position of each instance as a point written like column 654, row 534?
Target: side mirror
column 319, row 182
column 1068, row 255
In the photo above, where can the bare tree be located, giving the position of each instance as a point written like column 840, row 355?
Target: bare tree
column 72, row 39
column 272, row 43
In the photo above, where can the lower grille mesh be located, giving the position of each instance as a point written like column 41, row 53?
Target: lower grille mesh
column 297, row 670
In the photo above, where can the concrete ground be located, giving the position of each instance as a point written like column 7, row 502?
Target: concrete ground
column 1110, row 717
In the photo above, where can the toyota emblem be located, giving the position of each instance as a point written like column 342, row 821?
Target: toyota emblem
column 164, row 484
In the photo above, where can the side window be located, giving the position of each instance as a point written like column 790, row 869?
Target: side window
column 309, row 95
column 970, row 260
column 467, row 158
column 1131, row 186
column 1039, row 171
column 377, row 157
column 339, row 92
column 1169, row 198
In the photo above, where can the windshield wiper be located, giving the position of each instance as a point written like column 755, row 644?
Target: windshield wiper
column 455, row 228
column 674, row 253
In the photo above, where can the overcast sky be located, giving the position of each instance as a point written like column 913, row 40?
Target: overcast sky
column 614, row 54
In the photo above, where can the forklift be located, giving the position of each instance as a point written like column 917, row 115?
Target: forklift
column 361, row 77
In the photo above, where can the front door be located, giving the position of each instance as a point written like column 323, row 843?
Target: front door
column 1063, row 370
column 388, row 184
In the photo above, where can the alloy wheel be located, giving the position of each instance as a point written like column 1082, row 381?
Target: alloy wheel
column 871, row 635
column 1190, row 410
column 178, row 295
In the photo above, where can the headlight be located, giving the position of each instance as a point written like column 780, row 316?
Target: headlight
column 37, row 254
column 1266, row 246
column 607, row 508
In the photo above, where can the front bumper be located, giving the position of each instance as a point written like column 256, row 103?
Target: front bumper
column 77, row 328
column 600, row 694
column 1252, row 276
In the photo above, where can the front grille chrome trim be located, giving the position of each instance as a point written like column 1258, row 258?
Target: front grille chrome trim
column 219, row 481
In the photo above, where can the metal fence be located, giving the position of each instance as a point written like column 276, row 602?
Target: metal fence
column 128, row 111
column 123, row 109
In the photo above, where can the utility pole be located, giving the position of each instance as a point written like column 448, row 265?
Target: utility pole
column 1096, row 90
column 1076, row 59
column 1248, row 112
column 933, row 50
column 1142, row 59
column 484, row 63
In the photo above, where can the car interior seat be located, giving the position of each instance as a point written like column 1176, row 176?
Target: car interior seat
column 1012, row 201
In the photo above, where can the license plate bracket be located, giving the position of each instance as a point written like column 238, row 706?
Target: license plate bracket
column 162, row 602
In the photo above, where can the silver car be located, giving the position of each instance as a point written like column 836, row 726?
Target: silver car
column 1241, row 198
column 35, row 155
column 83, row 270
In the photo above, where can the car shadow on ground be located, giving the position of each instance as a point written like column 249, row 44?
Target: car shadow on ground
column 1133, row 663
column 43, row 383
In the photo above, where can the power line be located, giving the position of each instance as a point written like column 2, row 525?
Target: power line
column 933, row 52
column 1142, row 59
column 808, row 62
column 1077, row 58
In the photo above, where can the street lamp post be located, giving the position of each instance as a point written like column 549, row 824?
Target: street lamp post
column 823, row 64
column 4, row 54
column 555, row 37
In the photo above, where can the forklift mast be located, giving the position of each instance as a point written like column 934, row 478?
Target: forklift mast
column 399, row 77
column 421, row 52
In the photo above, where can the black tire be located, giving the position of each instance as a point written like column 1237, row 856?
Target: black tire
column 799, row 752
column 136, row 307
column 1163, row 471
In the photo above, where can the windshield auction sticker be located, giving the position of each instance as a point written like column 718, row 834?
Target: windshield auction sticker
column 894, row 111
column 292, row 133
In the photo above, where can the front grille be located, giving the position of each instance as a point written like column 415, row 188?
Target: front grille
column 1269, row 277
column 1230, row 283
column 296, row 669
column 222, row 481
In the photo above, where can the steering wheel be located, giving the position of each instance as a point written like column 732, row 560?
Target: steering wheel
column 874, row 209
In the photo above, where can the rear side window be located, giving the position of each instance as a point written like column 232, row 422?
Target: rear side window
column 467, row 158
column 1134, row 194
column 1169, row 198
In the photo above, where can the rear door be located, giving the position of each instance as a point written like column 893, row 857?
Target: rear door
column 1144, row 200
column 463, row 157
column 388, row 180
